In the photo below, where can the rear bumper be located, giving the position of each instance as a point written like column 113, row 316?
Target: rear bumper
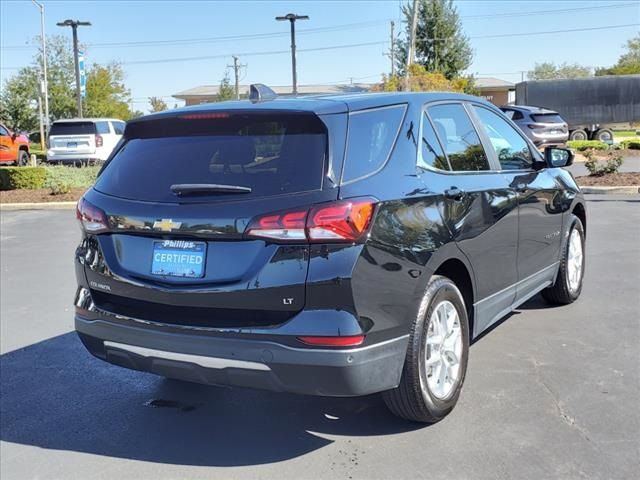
column 64, row 157
column 256, row 363
column 549, row 139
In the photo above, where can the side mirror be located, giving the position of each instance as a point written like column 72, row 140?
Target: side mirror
column 14, row 135
column 558, row 157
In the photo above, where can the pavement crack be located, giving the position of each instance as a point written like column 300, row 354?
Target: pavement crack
column 558, row 404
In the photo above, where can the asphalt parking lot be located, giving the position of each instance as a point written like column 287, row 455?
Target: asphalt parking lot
column 550, row 392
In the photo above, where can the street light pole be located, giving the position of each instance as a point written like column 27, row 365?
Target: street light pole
column 45, row 81
column 74, row 24
column 292, row 17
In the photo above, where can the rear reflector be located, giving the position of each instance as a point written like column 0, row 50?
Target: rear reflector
column 92, row 218
column 341, row 221
column 351, row 341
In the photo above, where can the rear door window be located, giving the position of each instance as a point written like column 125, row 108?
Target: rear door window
column 272, row 154
column 370, row 139
column 72, row 128
column 459, row 138
column 118, row 127
column 511, row 149
column 103, row 128
column 547, row 118
column 431, row 153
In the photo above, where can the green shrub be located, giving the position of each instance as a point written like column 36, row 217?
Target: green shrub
column 14, row 178
column 597, row 169
column 631, row 144
column 73, row 177
column 582, row 145
column 59, row 188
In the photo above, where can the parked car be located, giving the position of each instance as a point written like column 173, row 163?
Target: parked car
column 543, row 127
column 85, row 140
column 14, row 147
column 338, row 245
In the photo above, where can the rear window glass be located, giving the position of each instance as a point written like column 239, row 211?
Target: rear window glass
column 270, row 154
column 547, row 118
column 73, row 128
column 371, row 136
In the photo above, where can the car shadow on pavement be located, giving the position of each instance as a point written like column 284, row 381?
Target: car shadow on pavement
column 57, row 396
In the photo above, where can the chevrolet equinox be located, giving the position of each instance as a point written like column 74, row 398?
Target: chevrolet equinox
column 332, row 245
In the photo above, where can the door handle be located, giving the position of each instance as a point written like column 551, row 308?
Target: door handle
column 454, row 193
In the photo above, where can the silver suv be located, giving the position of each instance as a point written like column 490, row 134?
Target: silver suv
column 544, row 127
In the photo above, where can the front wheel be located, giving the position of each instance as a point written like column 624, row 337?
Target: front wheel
column 436, row 361
column 568, row 283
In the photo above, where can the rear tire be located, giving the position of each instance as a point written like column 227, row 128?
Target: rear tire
column 578, row 135
column 427, row 393
column 568, row 283
column 23, row 158
column 603, row 135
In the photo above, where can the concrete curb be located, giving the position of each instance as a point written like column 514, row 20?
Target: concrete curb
column 622, row 190
column 38, row 206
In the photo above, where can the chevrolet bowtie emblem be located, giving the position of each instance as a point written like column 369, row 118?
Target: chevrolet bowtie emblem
column 166, row 225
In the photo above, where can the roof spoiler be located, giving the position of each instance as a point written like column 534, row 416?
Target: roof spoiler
column 261, row 93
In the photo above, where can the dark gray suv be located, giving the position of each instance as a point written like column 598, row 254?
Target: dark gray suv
column 339, row 245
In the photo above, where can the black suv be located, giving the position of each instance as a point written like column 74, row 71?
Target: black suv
column 338, row 245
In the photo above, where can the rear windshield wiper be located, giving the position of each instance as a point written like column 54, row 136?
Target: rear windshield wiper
column 181, row 189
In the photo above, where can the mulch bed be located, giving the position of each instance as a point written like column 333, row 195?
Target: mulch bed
column 39, row 195
column 610, row 180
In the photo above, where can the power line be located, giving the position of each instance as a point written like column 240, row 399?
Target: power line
column 363, row 44
column 251, row 54
column 539, row 12
column 586, row 29
column 250, row 36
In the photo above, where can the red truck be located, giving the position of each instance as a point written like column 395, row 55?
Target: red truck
column 14, row 147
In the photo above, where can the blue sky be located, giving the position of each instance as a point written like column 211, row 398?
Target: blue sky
column 368, row 22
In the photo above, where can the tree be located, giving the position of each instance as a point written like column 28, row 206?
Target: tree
column 106, row 94
column 551, row 71
column 628, row 63
column 226, row 91
column 422, row 81
column 441, row 45
column 157, row 104
column 16, row 106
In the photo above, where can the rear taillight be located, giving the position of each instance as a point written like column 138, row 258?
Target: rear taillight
column 99, row 141
column 91, row 218
column 342, row 221
column 535, row 126
column 350, row 341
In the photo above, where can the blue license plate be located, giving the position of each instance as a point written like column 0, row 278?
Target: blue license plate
column 178, row 258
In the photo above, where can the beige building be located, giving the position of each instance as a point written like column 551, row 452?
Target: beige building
column 499, row 92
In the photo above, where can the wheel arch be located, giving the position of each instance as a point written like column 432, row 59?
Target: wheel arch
column 458, row 271
column 580, row 212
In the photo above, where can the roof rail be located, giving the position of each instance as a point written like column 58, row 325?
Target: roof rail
column 261, row 93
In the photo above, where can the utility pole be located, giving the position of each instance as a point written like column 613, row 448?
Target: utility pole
column 411, row 54
column 292, row 17
column 393, row 50
column 236, row 71
column 74, row 24
column 45, row 81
